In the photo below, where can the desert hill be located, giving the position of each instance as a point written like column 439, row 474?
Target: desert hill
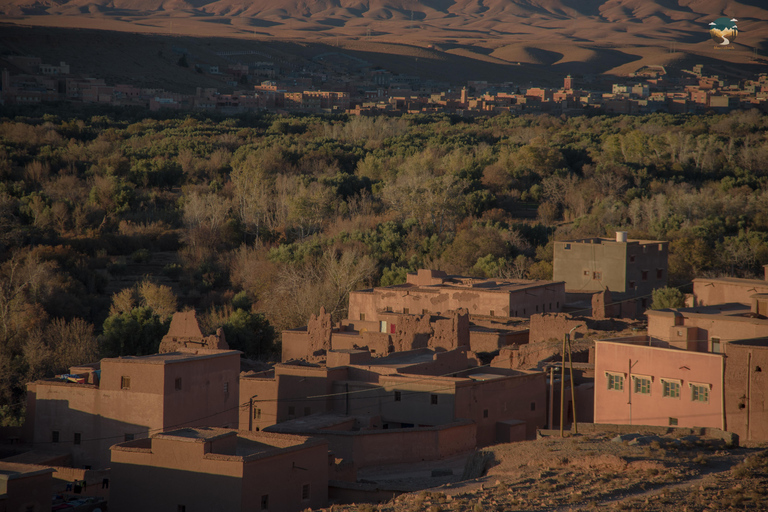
column 539, row 38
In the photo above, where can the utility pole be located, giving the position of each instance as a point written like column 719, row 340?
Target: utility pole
column 566, row 339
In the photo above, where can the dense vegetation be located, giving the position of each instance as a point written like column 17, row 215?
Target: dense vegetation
column 109, row 224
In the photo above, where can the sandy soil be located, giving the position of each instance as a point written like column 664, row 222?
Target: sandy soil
column 488, row 39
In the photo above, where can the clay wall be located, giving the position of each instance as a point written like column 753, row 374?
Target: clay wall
column 400, row 446
column 258, row 402
column 682, row 325
column 746, row 385
column 519, row 397
column 106, row 414
column 208, row 394
column 371, row 304
column 30, row 491
column 184, row 472
column 626, row 406
column 708, row 292
column 555, row 326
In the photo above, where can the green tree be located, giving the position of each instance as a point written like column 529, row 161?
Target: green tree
column 664, row 298
column 137, row 332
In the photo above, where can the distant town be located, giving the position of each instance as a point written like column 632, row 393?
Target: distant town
column 339, row 83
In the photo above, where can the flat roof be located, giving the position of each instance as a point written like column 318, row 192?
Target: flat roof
column 170, row 357
column 13, row 470
column 470, row 283
column 602, row 240
column 732, row 280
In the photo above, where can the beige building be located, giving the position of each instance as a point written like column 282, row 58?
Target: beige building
column 124, row 398
column 210, row 469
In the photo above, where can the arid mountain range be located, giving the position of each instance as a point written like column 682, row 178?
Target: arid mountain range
column 543, row 36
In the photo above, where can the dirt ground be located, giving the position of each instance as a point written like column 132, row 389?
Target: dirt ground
column 664, row 473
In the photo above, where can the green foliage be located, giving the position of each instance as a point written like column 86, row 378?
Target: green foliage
column 667, row 297
column 136, row 332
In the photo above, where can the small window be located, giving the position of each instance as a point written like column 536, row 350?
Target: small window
column 597, row 276
column 716, row 346
column 433, row 399
column 485, row 413
column 181, row 508
column 567, row 247
column 406, row 311
column 644, row 275
column 615, row 381
column 78, row 437
column 398, row 396
column 659, row 273
column 672, row 422
column 631, row 285
column 265, row 502
column 125, row 382
column 128, row 437
column 226, row 387
column 257, row 414
column 644, row 303
column 533, row 406
column 642, row 385
column 670, row 388
column 699, row 393
column 305, row 492
column 178, row 383
column 362, row 316
column 307, row 411
column 631, row 258
column 55, row 436
column 424, row 311
column 291, row 410
column 537, row 308
column 493, row 313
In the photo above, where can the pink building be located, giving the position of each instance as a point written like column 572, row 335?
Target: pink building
column 130, row 397
column 638, row 382
column 217, row 469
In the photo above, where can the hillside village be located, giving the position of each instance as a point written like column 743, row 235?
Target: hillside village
column 338, row 83
column 426, row 371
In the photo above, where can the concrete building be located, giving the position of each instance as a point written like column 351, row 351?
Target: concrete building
column 641, row 382
column 130, row 397
column 628, row 268
column 25, row 487
column 435, row 292
column 206, row 469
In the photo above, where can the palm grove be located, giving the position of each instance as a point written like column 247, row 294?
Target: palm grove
column 110, row 223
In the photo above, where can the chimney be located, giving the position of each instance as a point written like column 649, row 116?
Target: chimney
column 621, row 236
